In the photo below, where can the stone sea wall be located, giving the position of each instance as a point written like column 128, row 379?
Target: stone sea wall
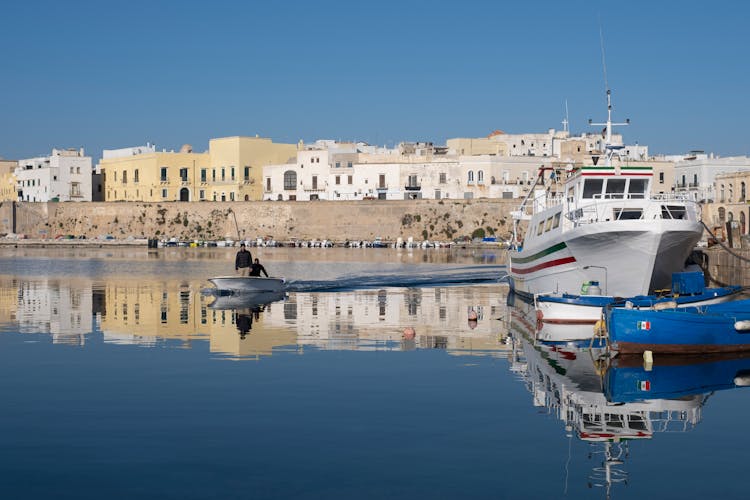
column 434, row 220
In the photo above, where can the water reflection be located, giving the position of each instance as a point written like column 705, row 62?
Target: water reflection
column 609, row 403
column 180, row 312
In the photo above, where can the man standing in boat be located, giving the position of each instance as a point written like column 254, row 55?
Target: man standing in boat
column 257, row 268
column 243, row 261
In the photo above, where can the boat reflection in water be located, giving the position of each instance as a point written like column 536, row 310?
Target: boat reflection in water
column 608, row 403
column 247, row 306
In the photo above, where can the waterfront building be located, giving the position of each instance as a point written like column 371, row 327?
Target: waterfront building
column 695, row 174
column 731, row 203
column 8, row 180
column 230, row 170
column 143, row 174
column 235, row 171
column 65, row 175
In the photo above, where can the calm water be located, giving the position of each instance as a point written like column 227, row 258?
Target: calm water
column 122, row 376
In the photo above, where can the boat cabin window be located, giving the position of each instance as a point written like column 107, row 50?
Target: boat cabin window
column 673, row 212
column 540, row 229
column 628, row 213
column 548, row 224
column 592, row 187
column 615, row 188
column 637, row 188
column 556, row 223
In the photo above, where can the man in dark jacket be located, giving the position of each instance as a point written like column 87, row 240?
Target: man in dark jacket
column 243, row 261
column 257, row 268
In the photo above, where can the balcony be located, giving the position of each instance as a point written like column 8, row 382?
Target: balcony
column 382, row 188
column 413, row 187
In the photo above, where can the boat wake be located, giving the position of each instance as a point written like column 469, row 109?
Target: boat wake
column 446, row 277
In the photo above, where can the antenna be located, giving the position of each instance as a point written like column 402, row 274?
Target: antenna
column 604, row 60
column 607, row 131
column 566, row 122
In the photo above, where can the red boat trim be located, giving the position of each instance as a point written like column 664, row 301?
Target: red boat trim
column 543, row 265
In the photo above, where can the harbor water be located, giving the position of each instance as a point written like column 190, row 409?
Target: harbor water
column 381, row 373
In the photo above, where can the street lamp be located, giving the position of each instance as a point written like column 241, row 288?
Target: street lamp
column 605, row 275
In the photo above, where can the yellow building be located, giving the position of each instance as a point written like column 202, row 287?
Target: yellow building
column 8, row 180
column 136, row 175
column 236, row 170
column 231, row 170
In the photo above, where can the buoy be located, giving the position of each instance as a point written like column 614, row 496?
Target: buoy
column 742, row 326
column 472, row 315
column 409, row 333
column 648, row 357
column 539, row 315
column 660, row 306
column 742, row 380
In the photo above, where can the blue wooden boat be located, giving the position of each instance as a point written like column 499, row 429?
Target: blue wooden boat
column 707, row 329
column 673, row 377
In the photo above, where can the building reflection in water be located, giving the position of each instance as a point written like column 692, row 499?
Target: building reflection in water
column 611, row 402
column 179, row 313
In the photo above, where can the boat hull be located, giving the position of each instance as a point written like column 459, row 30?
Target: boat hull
column 691, row 330
column 248, row 283
column 588, row 309
column 628, row 258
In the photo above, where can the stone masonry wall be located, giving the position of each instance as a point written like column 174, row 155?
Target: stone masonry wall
column 435, row 220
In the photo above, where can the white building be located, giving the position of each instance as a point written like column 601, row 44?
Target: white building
column 695, row 173
column 65, row 175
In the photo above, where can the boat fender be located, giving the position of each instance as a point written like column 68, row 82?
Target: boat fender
column 660, row 306
column 742, row 379
column 539, row 315
column 628, row 305
column 742, row 326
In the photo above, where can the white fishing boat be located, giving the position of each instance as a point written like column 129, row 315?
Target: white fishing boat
column 601, row 223
column 246, row 284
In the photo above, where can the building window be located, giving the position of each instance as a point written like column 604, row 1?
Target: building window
column 338, row 164
column 183, row 174
column 661, row 177
column 78, row 170
column 290, row 180
column 203, row 175
column 164, row 193
column 164, row 174
column 231, row 173
column 247, row 174
column 338, row 180
column 351, row 179
column 480, row 176
column 223, row 174
column 213, row 175
column 202, row 194
column 231, row 196
column 349, row 165
column 471, row 176
column 75, row 189
column 742, row 191
column 442, row 178
column 124, row 176
column 135, row 176
column 268, row 183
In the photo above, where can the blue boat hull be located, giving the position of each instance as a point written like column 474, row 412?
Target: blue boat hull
column 690, row 330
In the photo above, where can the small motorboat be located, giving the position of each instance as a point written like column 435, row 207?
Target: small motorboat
column 665, row 328
column 245, row 284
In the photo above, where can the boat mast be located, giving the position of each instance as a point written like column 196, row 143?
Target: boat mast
column 607, row 132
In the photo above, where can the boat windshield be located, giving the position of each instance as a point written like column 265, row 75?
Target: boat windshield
column 592, row 188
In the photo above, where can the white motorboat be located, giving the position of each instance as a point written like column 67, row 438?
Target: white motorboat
column 601, row 223
column 246, row 284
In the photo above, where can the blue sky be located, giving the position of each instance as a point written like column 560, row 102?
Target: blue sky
column 103, row 75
